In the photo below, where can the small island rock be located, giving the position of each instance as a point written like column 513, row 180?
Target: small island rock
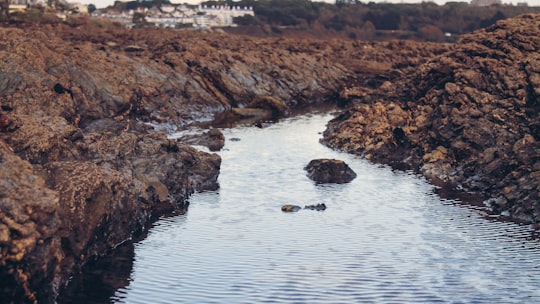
column 329, row 171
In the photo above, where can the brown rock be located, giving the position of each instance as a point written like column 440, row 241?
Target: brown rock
column 30, row 250
column 330, row 171
column 100, row 189
column 478, row 101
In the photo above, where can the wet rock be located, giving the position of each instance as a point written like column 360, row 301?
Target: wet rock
column 290, row 208
column 329, row 171
column 295, row 208
column 67, row 200
column 318, row 207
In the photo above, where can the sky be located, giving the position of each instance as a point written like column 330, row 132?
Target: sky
column 105, row 3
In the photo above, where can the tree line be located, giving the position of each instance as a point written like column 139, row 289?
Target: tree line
column 356, row 19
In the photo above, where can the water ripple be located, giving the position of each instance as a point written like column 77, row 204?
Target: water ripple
column 385, row 237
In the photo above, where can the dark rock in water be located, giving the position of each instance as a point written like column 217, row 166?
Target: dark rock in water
column 330, row 171
column 318, row 207
column 290, row 208
column 295, row 208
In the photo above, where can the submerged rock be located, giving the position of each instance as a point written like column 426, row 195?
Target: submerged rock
column 318, row 207
column 329, row 171
column 295, row 208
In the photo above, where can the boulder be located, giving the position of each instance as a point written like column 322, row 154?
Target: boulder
column 329, row 171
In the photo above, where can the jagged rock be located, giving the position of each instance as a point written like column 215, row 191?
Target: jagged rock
column 330, row 171
column 468, row 117
column 177, row 77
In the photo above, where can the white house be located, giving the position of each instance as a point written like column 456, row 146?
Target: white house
column 485, row 2
column 17, row 6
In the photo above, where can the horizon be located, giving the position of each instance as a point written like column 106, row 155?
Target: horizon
column 105, row 3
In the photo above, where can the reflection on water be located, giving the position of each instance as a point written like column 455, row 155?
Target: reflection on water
column 385, row 238
column 101, row 278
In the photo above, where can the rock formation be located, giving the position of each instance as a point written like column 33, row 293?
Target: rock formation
column 468, row 117
column 84, row 165
column 68, row 195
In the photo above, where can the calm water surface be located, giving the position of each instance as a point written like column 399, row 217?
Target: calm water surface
column 385, row 237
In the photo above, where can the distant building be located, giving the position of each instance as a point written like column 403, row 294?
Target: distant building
column 18, row 6
column 220, row 15
column 522, row 4
column 486, row 2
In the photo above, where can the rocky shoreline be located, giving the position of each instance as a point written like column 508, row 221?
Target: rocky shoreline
column 85, row 164
column 468, row 118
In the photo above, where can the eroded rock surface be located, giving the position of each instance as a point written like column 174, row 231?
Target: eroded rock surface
column 469, row 117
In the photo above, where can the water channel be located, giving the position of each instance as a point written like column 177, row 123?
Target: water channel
column 386, row 237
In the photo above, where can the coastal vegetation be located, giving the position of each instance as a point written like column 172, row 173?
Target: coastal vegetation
column 359, row 20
